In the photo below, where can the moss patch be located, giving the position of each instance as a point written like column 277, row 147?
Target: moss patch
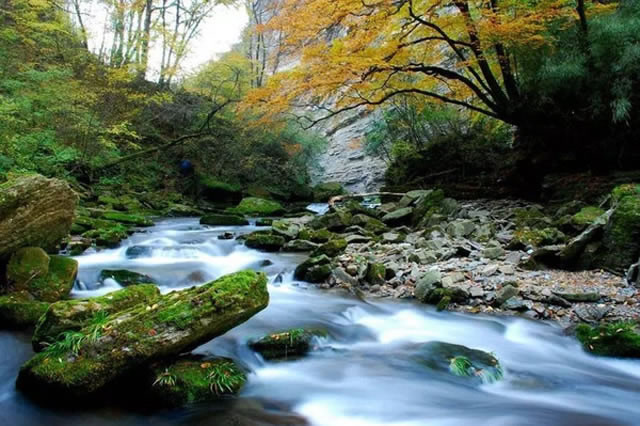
column 331, row 249
column 46, row 278
column 587, row 215
column 125, row 278
column 619, row 339
column 324, row 191
column 188, row 381
column 223, row 220
column 266, row 242
column 286, row 344
column 130, row 219
column 20, row 310
column 253, row 206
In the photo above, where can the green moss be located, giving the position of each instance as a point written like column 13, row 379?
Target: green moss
column 73, row 315
column 331, row 249
column 286, row 344
column 107, row 233
column 130, row 219
column 587, row 215
column 537, row 237
column 216, row 185
column 25, row 265
column 20, row 310
column 428, row 205
column 623, row 191
column 376, row 273
column 189, row 381
column 619, row 339
column 337, row 221
column 314, row 270
column 179, row 315
column 370, row 224
column 223, row 220
column 622, row 233
column 266, row 242
column 253, row 206
column 531, row 217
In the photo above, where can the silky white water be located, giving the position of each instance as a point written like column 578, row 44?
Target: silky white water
column 365, row 372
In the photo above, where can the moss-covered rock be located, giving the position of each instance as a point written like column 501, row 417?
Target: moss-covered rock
column 20, row 310
column 223, row 220
column 84, row 362
column 318, row 236
column 253, row 206
column 218, row 191
column 528, row 237
column 286, row 229
column 34, row 212
column 73, row 315
column 337, row 221
column 619, row 339
column 107, row 233
column 300, row 245
column 47, row 278
column 331, row 249
column 399, row 217
column 190, row 380
column 265, row 242
column 621, row 240
column 532, row 217
column 586, row 216
column 376, row 273
column 324, row 191
column 286, row 344
column 314, row 270
column 129, row 219
column 370, row 224
column 468, row 364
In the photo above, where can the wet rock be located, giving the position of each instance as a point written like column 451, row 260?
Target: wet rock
column 179, row 322
column 286, row 229
column 73, row 315
column 468, row 364
column 34, row 211
column 226, row 236
column 286, row 344
column 341, row 276
column 191, row 380
column 125, row 278
column 223, row 220
column 314, row 269
column 332, row 248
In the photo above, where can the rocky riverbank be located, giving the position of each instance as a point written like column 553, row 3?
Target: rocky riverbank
column 505, row 257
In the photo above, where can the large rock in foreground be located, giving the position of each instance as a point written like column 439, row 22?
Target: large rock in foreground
column 34, row 211
column 177, row 323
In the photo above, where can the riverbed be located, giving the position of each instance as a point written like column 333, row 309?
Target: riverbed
column 364, row 373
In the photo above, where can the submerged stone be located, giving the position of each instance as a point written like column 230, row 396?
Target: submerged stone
column 178, row 322
column 286, row 344
column 460, row 361
column 73, row 315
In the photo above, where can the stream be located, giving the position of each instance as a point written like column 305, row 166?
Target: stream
column 364, row 373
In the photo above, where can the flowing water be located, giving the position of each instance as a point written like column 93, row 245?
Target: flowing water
column 364, row 373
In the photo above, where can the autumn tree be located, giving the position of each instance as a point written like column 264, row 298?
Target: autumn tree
column 467, row 53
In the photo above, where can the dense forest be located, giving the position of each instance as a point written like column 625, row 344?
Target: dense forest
column 426, row 206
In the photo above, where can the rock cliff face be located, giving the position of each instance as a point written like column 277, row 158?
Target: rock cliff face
column 345, row 160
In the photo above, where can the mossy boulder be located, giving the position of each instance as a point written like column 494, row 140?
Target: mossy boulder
column 621, row 239
column 20, row 310
column 223, row 220
column 218, row 191
column 532, row 217
column 314, row 270
column 46, row 278
column 125, row 278
column 253, row 206
column 376, row 273
column 337, row 221
column 369, row 224
column 472, row 365
column 285, row 228
column 129, row 219
column 292, row 343
column 532, row 237
column 191, row 380
column 619, row 339
column 178, row 322
column 264, row 241
column 73, row 315
column 34, row 212
column 318, row 236
column 398, row 217
column 300, row 245
column 324, row 191
column 107, row 233
column 331, row 249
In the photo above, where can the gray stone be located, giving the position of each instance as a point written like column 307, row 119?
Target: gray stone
column 592, row 313
column 398, row 216
column 392, row 237
column 429, row 281
column 476, row 291
column 356, row 239
column 515, row 304
column 300, row 245
column 493, row 253
column 579, row 296
column 505, row 293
